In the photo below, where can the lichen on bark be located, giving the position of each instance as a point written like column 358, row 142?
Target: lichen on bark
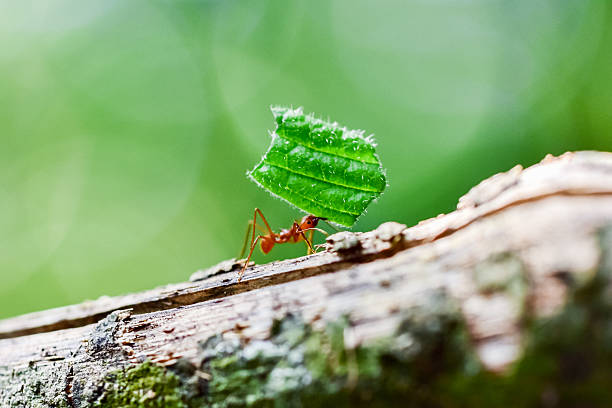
column 302, row 367
column 429, row 361
column 567, row 358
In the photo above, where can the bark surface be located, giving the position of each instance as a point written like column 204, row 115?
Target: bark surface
column 506, row 301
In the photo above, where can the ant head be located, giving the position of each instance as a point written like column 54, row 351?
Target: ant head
column 310, row 221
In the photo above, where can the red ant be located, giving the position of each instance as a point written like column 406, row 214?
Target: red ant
column 293, row 235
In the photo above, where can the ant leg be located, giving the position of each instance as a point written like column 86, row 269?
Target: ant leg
column 316, row 229
column 246, row 264
column 312, row 230
column 255, row 225
column 246, row 237
column 254, row 222
column 297, row 228
column 258, row 211
column 310, row 249
column 255, row 240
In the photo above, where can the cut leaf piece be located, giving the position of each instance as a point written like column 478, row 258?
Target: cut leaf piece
column 320, row 167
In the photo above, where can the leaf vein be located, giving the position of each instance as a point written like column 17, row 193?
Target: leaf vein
column 319, row 179
column 308, row 198
column 297, row 141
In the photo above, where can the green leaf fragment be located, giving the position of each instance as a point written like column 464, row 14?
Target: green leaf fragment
column 320, row 167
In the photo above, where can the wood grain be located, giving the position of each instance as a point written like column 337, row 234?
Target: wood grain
column 535, row 229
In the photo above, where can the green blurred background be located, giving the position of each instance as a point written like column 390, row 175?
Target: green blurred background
column 127, row 127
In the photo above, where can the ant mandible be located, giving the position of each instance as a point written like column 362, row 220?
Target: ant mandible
column 295, row 234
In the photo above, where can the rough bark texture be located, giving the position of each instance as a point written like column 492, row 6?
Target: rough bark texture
column 505, row 302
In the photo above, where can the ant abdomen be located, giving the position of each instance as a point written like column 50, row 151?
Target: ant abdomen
column 266, row 245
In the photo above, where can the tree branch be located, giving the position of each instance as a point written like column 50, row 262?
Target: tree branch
column 508, row 293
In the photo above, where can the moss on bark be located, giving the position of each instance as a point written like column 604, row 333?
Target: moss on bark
column 301, row 367
column 566, row 361
column 146, row 385
column 428, row 362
